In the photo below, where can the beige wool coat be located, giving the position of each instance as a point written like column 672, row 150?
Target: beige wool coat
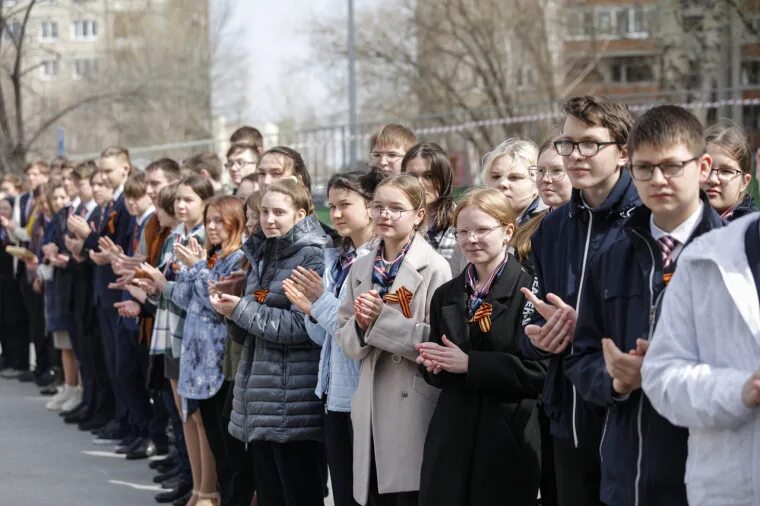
column 393, row 404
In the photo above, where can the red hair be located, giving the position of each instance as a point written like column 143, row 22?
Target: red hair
column 233, row 220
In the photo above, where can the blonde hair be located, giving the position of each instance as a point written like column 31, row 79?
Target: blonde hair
column 298, row 192
column 391, row 135
column 489, row 200
column 410, row 186
column 521, row 149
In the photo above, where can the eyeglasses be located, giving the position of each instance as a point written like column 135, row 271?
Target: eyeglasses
column 391, row 156
column 394, row 214
column 231, row 164
column 724, row 174
column 645, row 171
column 585, row 148
column 551, row 174
column 462, row 234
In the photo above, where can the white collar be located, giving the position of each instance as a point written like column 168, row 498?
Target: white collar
column 117, row 192
column 183, row 233
column 90, row 205
column 144, row 216
column 75, row 203
column 682, row 232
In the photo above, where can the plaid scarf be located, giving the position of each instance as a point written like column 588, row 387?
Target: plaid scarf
column 476, row 297
column 385, row 278
column 341, row 268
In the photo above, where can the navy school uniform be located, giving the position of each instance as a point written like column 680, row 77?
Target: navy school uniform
column 115, row 223
column 562, row 248
column 643, row 455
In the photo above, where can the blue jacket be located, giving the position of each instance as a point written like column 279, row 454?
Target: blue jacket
column 643, row 455
column 204, row 333
column 563, row 247
column 338, row 374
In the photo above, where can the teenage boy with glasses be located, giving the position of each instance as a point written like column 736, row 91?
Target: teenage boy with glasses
column 642, row 454
column 592, row 145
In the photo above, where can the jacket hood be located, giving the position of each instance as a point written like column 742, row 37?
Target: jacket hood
column 621, row 201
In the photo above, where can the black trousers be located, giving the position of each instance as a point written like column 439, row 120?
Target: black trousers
column 289, row 474
column 100, row 400
column 548, row 471
column 578, row 474
column 15, row 345
column 108, row 318
column 35, row 310
column 340, row 456
column 234, row 468
column 131, row 379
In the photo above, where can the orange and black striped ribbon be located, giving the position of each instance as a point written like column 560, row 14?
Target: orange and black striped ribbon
column 483, row 317
column 403, row 298
column 261, row 295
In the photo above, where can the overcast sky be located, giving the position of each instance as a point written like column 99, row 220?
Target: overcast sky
column 277, row 36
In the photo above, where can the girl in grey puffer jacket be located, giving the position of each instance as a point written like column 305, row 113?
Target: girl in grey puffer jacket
column 274, row 407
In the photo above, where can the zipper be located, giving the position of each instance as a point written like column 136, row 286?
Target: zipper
column 604, row 433
column 652, row 318
column 577, row 311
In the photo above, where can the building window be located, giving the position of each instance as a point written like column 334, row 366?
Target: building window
column 49, row 69
column 49, row 31
column 631, row 70
column 606, row 22
column 86, row 68
column 86, row 29
column 751, row 73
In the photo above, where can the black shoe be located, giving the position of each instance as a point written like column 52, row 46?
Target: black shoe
column 26, row 377
column 183, row 491
column 94, row 423
column 49, row 390
column 79, row 409
column 144, row 449
column 127, row 444
column 78, row 417
column 52, row 376
column 172, row 483
column 168, row 461
column 166, row 468
column 110, row 436
column 111, row 426
column 168, row 475
column 182, row 501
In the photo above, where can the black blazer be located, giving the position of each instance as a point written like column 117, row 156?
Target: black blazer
column 484, row 434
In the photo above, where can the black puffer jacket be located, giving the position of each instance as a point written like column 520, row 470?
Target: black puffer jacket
column 274, row 396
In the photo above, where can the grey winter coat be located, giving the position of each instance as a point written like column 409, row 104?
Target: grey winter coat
column 274, row 386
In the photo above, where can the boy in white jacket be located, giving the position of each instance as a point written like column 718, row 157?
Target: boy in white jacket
column 702, row 370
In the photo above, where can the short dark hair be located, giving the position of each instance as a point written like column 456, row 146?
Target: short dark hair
column 209, row 162
column 602, row 111
column 248, row 135
column 166, row 198
column 241, row 148
column 200, row 186
column 135, row 187
column 665, row 126
column 169, row 167
column 442, row 177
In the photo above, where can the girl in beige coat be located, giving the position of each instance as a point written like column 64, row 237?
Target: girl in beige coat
column 383, row 316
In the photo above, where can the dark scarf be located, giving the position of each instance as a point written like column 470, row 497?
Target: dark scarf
column 379, row 274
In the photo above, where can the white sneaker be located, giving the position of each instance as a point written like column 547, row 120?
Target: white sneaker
column 56, row 403
column 73, row 401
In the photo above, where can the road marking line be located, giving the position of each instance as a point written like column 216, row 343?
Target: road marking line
column 137, row 486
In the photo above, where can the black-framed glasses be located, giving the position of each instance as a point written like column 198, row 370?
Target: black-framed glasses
column 645, row 171
column 585, row 148
column 725, row 174
column 238, row 163
column 551, row 174
column 392, row 156
column 462, row 234
column 393, row 214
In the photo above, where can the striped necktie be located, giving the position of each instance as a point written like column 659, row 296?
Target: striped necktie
column 667, row 245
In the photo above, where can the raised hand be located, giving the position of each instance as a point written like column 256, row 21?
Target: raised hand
column 448, row 357
column 78, row 226
column 367, row 308
column 308, row 282
column 155, row 275
column 296, row 296
column 624, row 368
column 224, row 304
column 557, row 333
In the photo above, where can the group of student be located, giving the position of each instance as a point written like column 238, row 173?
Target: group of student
column 519, row 344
